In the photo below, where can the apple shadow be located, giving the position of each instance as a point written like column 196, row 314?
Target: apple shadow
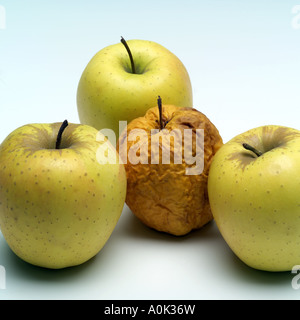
column 26, row 273
column 272, row 283
column 249, row 275
column 208, row 235
column 132, row 227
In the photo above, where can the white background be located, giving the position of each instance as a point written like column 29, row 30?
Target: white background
column 243, row 58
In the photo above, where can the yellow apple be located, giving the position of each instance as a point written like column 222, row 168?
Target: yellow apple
column 254, row 187
column 59, row 201
column 111, row 90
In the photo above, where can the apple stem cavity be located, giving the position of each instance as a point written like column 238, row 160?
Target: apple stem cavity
column 130, row 55
column 250, row 148
column 60, row 132
column 159, row 103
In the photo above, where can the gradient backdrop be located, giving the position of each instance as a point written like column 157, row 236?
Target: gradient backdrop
column 243, row 58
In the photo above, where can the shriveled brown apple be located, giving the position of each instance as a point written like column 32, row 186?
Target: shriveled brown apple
column 167, row 155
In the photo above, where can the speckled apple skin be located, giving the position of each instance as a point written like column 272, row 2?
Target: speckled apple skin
column 108, row 92
column 57, row 207
column 255, row 200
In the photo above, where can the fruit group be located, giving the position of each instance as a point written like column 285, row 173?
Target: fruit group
column 58, row 204
column 254, row 187
column 109, row 91
column 169, row 196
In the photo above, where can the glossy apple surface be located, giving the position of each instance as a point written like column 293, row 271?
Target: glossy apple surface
column 58, row 207
column 255, row 199
column 108, row 91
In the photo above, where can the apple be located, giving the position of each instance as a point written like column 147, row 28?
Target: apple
column 167, row 155
column 254, row 187
column 122, row 80
column 60, row 194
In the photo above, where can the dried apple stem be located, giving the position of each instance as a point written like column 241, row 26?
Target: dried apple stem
column 130, row 55
column 60, row 132
column 250, row 148
column 159, row 103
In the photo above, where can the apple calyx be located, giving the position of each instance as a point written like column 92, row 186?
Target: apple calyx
column 130, row 55
column 250, row 148
column 60, row 132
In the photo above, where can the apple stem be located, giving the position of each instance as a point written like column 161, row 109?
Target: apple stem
column 60, row 132
column 159, row 102
column 250, row 148
column 130, row 55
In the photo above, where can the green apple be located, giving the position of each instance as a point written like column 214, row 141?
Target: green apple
column 60, row 199
column 122, row 83
column 254, row 187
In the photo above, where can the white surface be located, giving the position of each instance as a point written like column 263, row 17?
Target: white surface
column 243, row 60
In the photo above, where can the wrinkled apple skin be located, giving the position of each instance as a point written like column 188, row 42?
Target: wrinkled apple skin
column 161, row 195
